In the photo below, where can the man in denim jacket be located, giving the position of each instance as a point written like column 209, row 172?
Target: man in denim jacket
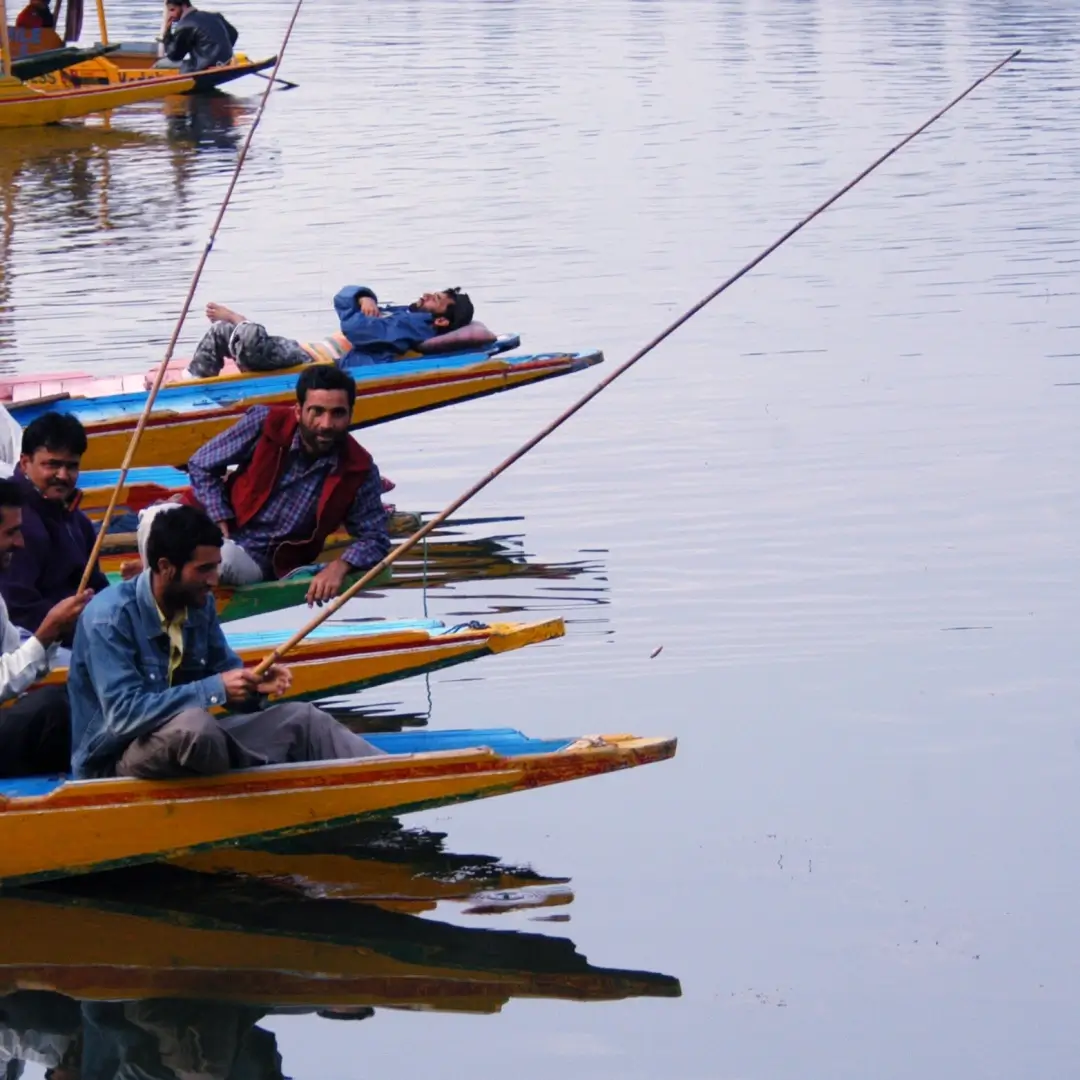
column 150, row 661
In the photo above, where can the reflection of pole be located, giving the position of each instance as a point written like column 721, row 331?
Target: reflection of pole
column 5, row 45
column 102, row 28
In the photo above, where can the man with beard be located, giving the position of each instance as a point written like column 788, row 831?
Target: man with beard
column 35, row 734
column 150, row 661
column 300, row 476
column 57, row 536
column 369, row 334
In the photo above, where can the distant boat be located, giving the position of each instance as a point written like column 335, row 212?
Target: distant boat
column 111, row 63
column 25, row 106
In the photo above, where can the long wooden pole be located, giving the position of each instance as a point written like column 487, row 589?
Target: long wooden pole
column 103, row 29
column 159, row 378
column 539, row 437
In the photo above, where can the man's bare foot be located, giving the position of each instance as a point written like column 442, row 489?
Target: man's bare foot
column 220, row 313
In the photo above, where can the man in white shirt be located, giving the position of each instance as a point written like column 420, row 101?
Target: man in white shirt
column 35, row 730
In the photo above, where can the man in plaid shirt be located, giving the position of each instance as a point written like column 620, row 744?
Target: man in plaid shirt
column 300, row 476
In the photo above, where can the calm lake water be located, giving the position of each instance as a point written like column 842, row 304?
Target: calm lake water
column 843, row 499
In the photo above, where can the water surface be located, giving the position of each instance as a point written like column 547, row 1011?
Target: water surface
column 842, row 499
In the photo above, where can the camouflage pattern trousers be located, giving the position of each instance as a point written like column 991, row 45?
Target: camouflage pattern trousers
column 249, row 345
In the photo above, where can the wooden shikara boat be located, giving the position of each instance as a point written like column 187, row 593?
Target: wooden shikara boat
column 183, row 938
column 52, row 828
column 352, row 656
column 23, row 106
column 189, row 413
column 117, row 63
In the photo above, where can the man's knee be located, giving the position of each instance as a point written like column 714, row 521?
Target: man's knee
column 192, row 743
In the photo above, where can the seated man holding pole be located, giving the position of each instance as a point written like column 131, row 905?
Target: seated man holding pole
column 35, row 728
column 299, row 477
column 372, row 335
column 150, row 661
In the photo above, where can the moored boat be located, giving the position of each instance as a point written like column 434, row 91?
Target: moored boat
column 52, row 828
column 351, row 656
column 187, row 414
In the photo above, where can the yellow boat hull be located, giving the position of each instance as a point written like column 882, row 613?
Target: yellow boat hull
column 23, row 106
column 80, row 826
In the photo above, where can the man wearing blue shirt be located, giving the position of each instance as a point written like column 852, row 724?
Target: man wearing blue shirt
column 370, row 334
column 150, row 661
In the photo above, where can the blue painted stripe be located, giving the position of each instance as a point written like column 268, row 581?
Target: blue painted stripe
column 506, row 741
column 182, row 397
column 158, row 474
column 255, row 639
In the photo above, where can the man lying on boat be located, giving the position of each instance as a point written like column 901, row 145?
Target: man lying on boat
column 369, row 334
column 150, row 661
column 35, row 732
column 58, row 536
column 195, row 40
column 299, row 477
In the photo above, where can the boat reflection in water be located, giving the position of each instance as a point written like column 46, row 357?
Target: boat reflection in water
column 168, row 970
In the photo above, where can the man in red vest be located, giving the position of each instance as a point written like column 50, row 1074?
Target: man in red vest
column 300, row 476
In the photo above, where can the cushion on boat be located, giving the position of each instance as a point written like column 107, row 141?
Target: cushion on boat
column 476, row 333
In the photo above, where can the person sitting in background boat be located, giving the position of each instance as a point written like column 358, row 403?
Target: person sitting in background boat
column 369, row 334
column 195, row 40
column 150, row 661
column 300, row 476
column 36, row 16
column 58, row 536
column 35, row 731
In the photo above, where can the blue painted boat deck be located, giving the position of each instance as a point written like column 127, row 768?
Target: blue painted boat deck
column 162, row 475
column 259, row 639
column 505, row 741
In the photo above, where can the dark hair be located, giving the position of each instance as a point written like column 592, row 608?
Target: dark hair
column 54, row 431
column 10, row 494
column 460, row 312
column 325, row 377
column 175, row 534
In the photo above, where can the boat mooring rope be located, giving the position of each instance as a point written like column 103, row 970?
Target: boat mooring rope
column 479, row 486
column 159, row 378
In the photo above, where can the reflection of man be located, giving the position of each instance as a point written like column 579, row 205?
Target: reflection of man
column 196, row 40
column 38, row 1027
column 166, row 1039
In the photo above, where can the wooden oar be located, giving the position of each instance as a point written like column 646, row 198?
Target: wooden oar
column 479, row 486
column 159, row 378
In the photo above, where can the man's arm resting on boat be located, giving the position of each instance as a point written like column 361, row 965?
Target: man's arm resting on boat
column 209, row 463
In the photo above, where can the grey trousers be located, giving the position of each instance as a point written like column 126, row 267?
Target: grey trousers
column 249, row 345
column 196, row 743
